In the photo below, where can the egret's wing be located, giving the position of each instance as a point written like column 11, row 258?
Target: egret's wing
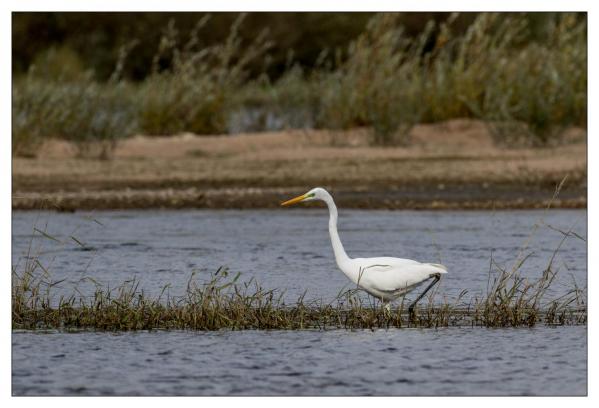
column 368, row 269
column 399, row 275
column 385, row 263
column 389, row 264
column 377, row 268
column 441, row 268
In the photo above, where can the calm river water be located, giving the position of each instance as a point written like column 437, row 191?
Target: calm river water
column 290, row 249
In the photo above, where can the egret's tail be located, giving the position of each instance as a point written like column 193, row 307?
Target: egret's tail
column 441, row 268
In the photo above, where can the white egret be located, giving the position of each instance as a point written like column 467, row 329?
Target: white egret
column 386, row 278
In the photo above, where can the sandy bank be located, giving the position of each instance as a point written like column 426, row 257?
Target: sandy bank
column 449, row 165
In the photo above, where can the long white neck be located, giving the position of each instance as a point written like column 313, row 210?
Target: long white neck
column 340, row 255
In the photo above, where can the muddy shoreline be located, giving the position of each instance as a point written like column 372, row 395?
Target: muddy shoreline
column 452, row 165
column 463, row 197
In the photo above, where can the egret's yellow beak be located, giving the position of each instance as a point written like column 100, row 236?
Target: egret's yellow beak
column 295, row 200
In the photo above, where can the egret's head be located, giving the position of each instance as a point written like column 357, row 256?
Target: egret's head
column 314, row 194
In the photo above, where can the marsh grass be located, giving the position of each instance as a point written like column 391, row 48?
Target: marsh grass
column 531, row 92
column 222, row 301
column 378, row 84
column 90, row 115
column 196, row 92
column 528, row 87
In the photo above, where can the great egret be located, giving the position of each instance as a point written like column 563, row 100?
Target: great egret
column 384, row 277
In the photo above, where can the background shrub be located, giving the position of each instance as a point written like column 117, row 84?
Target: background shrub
column 93, row 116
column 523, row 74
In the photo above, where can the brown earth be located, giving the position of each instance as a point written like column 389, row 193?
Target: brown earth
column 449, row 165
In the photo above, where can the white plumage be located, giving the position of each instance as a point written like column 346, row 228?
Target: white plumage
column 389, row 278
column 386, row 278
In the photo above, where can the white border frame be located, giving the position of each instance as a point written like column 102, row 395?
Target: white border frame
column 289, row 5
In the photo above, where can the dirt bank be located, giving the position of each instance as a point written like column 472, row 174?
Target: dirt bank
column 450, row 165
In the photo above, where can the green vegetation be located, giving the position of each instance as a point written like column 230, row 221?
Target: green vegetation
column 91, row 115
column 524, row 75
column 196, row 93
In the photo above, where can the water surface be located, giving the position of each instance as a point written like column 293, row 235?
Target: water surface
column 451, row 361
column 290, row 250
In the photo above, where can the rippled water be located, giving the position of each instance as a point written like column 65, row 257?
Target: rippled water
column 452, row 361
column 290, row 249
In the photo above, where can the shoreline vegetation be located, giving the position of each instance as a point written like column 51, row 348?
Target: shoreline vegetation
column 488, row 114
column 224, row 301
column 522, row 74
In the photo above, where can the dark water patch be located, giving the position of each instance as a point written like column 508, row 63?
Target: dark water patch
column 85, row 249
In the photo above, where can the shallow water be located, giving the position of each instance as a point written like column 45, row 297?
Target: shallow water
column 451, row 361
column 290, row 249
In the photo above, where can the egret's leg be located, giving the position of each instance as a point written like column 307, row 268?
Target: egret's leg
column 436, row 278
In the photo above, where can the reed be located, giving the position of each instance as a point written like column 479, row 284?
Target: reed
column 527, row 87
column 92, row 116
column 197, row 92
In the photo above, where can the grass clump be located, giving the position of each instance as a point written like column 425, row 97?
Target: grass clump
column 528, row 93
column 378, row 84
column 195, row 94
column 223, row 302
column 92, row 116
